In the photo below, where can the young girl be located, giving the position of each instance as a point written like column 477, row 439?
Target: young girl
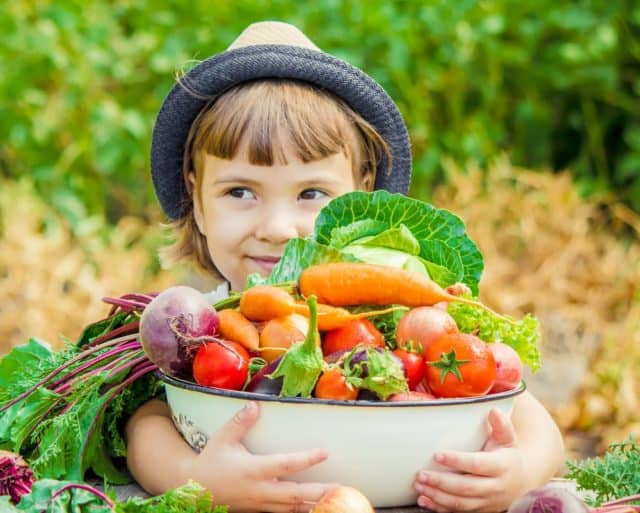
column 246, row 150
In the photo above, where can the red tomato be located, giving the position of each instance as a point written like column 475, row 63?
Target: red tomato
column 413, row 364
column 459, row 365
column 360, row 331
column 221, row 364
column 333, row 385
column 423, row 325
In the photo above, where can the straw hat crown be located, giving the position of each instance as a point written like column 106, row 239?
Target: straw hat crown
column 272, row 33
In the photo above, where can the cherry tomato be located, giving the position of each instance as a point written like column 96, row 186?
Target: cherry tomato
column 359, row 331
column 459, row 365
column 332, row 384
column 221, row 364
column 413, row 364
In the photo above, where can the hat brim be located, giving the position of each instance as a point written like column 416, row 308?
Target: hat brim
column 217, row 74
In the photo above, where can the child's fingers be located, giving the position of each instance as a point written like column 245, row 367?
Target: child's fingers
column 489, row 464
column 302, row 496
column 465, row 485
column 443, row 501
column 271, row 466
column 236, row 428
column 503, row 432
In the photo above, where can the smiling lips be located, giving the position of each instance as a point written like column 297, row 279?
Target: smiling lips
column 266, row 263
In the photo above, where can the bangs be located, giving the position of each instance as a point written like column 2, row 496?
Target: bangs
column 267, row 118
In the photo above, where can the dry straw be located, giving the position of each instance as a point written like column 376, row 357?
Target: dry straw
column 52, row 281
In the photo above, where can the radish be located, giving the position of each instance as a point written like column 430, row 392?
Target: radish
column 551, row 499
column 508, row 367
column 173, row 327
column 423, row 325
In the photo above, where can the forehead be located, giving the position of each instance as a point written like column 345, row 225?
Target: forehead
column 334, row 169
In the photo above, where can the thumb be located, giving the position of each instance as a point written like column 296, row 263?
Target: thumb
column 236, row 428
column 503, row 433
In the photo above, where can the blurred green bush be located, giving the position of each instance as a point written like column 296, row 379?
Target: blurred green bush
column 554, row 83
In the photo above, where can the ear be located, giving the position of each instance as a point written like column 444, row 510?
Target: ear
column 197, row 204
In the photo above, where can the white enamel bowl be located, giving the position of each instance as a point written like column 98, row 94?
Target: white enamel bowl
column 376, row 447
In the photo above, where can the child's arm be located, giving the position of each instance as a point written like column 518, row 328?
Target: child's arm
column 160, row 459
column 520, row 454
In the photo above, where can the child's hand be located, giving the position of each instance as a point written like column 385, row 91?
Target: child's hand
column 252, row 482
column 491, row 479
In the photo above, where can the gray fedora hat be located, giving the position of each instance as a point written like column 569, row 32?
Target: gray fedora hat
column 270, row 50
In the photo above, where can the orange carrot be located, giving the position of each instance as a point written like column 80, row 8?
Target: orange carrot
column 355, row 283
column 278, row 335
column 333, row 317
column 266, row 302
column 236, row 327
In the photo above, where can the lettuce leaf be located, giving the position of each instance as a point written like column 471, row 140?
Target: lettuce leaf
column 522, row 335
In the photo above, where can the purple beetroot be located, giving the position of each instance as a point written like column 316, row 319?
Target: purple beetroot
column 174, row 325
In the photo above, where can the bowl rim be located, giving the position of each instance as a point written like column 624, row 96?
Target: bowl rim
column 241, row 394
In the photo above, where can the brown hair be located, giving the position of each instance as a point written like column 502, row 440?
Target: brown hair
column 264, row 116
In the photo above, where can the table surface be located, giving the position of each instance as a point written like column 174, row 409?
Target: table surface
column 124, row 492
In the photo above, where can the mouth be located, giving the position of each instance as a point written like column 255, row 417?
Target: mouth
column 266, row 263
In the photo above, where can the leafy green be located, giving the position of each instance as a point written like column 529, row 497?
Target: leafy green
column 64, row 412
column 52, row 496
column 522, row 335
column 386, row 256
column 301, row 365
column 441, row 235
column 298, row 255
column 384, row 375
column 612, row 476
column 189, row 498
column 27, row 364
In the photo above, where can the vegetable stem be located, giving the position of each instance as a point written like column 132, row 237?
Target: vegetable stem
column 58, row 370
column 130, row 327
column 81, row 486
column 81, row 368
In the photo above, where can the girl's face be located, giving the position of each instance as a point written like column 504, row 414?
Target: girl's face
column 248, row 212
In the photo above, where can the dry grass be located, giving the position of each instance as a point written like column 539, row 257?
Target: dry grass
column 51, row 280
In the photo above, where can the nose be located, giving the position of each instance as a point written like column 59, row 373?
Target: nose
column 277, row 225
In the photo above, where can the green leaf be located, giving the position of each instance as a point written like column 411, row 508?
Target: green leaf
column 189, row 498
column 23, row 366
column 614, row 475
column 48, row 495
column 399, row 238
column 385, row 375
column 522, row 335
column 298, row 255
column 442, row 236
column 301, row 365
column 342, row 236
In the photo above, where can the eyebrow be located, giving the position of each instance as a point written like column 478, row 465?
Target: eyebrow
column 303, row 183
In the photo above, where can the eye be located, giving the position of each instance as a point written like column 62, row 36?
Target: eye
column 312, row 194
column 241, row 193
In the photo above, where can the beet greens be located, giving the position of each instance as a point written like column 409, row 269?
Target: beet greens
column 64, row 410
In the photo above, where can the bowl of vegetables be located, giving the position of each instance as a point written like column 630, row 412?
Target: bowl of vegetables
column 367, row 340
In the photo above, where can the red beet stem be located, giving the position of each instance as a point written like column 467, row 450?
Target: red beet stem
column 81, row 486
column 62, row 367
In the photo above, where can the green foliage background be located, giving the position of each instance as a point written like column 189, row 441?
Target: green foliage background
column 554, row 83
